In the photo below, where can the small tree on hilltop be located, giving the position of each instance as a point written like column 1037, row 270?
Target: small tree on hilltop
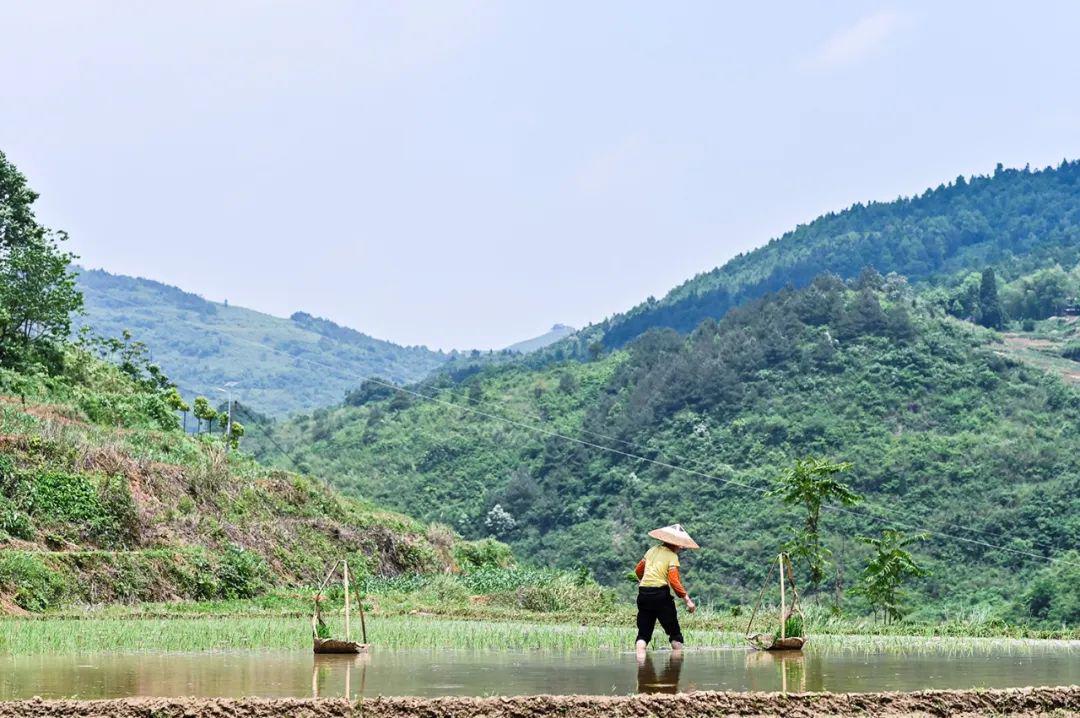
column 813, row 483
column 889, row 569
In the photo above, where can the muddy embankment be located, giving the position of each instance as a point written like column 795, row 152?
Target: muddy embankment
column 1063, row 701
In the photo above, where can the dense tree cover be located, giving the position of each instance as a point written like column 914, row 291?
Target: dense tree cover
column 282, row 365
column 1021, row 219
column 37, row 289
column 1052, row 597
column 942, row 433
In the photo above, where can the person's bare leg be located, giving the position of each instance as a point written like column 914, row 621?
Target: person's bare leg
column 676, row 646
column 641, row 646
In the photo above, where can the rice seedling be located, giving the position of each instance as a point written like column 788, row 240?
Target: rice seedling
column 275, row 632
column 60, row 635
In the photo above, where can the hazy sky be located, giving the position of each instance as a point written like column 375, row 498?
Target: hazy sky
column 466, row 174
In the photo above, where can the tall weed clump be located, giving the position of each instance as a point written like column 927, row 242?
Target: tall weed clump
column 488, row 553
column 242, row 573
column 541, row 590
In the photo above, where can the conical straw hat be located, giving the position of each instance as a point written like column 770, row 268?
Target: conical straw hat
column 675, row 535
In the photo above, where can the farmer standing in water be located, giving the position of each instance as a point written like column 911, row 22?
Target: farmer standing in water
column 658, row 571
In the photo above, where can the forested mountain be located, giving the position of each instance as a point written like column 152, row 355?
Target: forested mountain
column 944, row 435
column 1017, row 219
column 280, row 365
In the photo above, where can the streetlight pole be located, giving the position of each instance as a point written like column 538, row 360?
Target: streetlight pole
column 227, row 390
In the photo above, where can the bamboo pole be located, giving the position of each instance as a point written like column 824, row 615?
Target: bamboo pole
column 783, row 606
column 345, row 580
column 363, row 623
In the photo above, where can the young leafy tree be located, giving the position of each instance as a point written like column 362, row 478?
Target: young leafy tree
column 812, row 483
column 889, row 569
column 205, row 412
column 236, row 431
column 37, row 286
column 176, row 402
column 989, row 304
column 132, row 357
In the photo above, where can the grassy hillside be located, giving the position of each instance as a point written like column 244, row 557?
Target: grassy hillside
column 944, row 433
column 1017, row 219
column 202, row 344
column 103, row 499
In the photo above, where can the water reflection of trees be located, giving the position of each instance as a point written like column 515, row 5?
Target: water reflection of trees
column 667, row 681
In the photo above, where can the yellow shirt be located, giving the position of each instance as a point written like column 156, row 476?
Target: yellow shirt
column 658, row 560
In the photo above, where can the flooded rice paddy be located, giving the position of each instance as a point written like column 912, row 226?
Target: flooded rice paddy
column 483, row 673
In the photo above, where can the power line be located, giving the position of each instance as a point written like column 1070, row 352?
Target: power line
column 269, row 437
column 702, row 474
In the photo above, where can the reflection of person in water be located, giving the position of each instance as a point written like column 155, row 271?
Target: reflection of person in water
column 666, row 682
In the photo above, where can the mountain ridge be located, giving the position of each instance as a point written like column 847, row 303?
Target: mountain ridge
column 557, row 332
column 928, row 237
column 203, row 344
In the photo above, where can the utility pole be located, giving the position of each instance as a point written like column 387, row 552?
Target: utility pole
column 227, row 390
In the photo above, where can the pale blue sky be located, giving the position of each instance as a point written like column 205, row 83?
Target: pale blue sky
column 467, row 174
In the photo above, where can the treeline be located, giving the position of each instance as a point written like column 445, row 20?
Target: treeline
column 1019, row 220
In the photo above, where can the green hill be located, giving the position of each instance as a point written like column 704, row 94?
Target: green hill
column 945, row 434
column 104, row 499
column 1017, row 219
column 202, row 344
column 949, row 430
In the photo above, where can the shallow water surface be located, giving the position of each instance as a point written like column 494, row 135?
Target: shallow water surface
column 478, row 673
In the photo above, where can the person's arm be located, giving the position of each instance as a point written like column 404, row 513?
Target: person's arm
column 676, row 585
column 640, row 569
column 675, row 582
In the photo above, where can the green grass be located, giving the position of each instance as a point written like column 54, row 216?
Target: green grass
column 431, row 613
column 73, row 635
column 70, row 635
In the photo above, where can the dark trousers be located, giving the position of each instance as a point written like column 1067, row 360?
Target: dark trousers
column 657, row 604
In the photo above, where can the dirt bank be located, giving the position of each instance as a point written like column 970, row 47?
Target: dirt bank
column 1018, row 702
